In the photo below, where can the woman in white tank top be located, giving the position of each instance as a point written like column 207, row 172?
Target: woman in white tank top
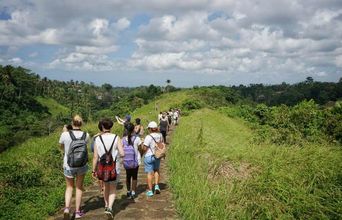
column 99, row 150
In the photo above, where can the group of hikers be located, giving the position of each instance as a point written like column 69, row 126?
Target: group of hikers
column 110, row 152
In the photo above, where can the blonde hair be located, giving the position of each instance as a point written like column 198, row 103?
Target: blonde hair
column 77, row 121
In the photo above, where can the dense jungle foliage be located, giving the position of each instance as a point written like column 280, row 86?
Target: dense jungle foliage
column 34, row 106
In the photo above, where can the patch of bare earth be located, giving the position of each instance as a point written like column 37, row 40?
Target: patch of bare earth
column 229, row 171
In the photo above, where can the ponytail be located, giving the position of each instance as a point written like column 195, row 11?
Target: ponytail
column 130, row 130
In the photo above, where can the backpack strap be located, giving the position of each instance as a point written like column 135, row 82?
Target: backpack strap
column 153, row 139
column 84, row 136
column 111, row 147
column 161, row 138
column 72, row 136
column 104, row 146
column 154, row 142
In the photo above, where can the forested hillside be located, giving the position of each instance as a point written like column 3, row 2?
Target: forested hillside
column 265, row 161
column 34, row 106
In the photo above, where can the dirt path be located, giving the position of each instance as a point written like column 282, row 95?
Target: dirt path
column 157, row 207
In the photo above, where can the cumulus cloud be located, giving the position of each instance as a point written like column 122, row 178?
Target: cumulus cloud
column 273, row 38
column 15, row 60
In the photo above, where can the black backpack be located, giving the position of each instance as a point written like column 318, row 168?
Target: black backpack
column 78, row 152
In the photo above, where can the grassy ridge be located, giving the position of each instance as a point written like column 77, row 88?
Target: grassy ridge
column 54, row 107
column 31, row 176
column 214, row 163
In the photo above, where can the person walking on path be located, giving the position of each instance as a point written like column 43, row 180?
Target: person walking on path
column 124, row 123
column 131, row 160
column 164, row 126
column 160, row 116
column 138, row 129
column 152, row 164
column 74, row 144
column 107, row 148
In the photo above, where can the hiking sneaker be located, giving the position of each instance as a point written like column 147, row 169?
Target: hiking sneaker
column 109, row 213
column 157, row 189
column 79, row 214
column 128, row 194
column 66, row 214
column 149, row 193
column 132, row 195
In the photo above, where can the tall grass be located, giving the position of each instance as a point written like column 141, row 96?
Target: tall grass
column 218, row 173
column 31, row 175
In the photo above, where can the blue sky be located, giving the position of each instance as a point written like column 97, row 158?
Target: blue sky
column 195, row 42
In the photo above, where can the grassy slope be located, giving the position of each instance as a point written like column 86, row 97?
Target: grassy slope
column 284, row 182
column 54, row 107
column 31, row 177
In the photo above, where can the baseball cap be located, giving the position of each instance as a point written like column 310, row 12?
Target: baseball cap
column 152, row 124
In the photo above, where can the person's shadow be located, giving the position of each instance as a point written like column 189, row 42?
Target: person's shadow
column 120, row 204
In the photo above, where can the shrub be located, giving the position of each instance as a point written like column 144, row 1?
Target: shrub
column 191, row 104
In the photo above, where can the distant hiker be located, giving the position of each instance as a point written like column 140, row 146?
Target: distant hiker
column 124, row 123
column 160, row 116
column 74, row 145
column 164, row 126
column 151, row 161
column 175, row 117
column 99, row 126
column 131, row 160
column 107, row 148
column 170, row 116
column 138, row 129
column 67, row 127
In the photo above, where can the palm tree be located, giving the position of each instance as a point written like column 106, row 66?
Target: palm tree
column 168, row 81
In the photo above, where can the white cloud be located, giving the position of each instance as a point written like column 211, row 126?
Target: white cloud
column 79, row 61
column 266, row 38
column 15, row 60
column 122, row 24
column 96, row 50
column 99, row 26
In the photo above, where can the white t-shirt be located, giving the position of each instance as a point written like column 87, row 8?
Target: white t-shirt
column 151, row 144
column 108, row 140
column 66, row 140
column 137, row 142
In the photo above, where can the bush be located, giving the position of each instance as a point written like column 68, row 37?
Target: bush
column 291, row 125
column 191, row 104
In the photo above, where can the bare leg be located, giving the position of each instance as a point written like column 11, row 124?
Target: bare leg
column 156, row 177
column 106, row 193
column 79, row 191
column 111, row 198
column 149, row 180
column 68, row 191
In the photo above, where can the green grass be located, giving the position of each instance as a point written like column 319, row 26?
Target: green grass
column 31, row 176
column 218, row 173
column 54, row 107
column 279, row 182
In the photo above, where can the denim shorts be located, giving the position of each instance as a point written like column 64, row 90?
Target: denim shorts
column 151, row 164
column 73, row 172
